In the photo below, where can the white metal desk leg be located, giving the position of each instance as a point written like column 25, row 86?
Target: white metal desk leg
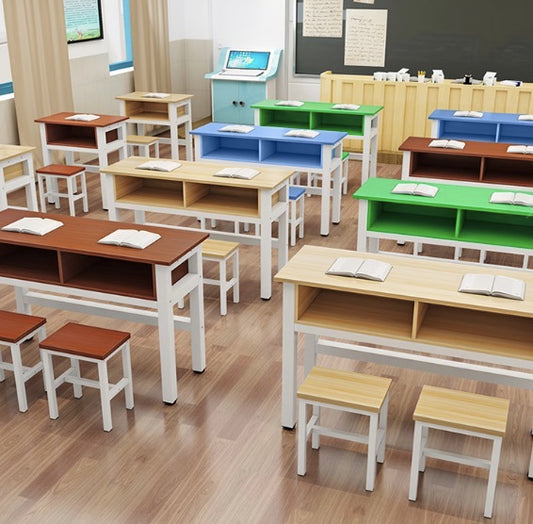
column 31, row 193
column 283, row 230
column 266, row 245
column 530, row 470
column 174, row 141
column 289, row 359
column 165, row 326
column 108, row 193
column 3, row 192
column 325, row 196
column 337, row 192
column 188, row 136
column 361, row 226
column 196, row 305
column 102, row 161
column 22, row 305
column 365, row 168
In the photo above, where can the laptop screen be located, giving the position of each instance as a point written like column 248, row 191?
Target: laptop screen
column 248, row 60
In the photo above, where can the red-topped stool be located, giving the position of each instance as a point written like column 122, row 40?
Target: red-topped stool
column 90, row 344
column 47, row 178
column 15, row 328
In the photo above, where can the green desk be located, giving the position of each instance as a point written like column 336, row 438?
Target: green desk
column 459, row 216
column 361, row 124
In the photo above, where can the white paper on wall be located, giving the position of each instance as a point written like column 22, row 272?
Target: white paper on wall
column 363, row 1
column 366, row 37
column 323, row 18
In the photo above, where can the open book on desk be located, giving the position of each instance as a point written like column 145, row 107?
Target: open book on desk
column 493, row 285
column 449, row 144
column 525, row 117
column 508, row 197
column 237, row 128
column 302, row 133
column 137, row 239
column 33, row 225
column 525, row 150
column 160, row 165
column 415, row 189
column 290, row 103
column 155, row 95
column 360, row 268
column 347, row 107
column 83, row 117
column 469, row 114
column 247, row 173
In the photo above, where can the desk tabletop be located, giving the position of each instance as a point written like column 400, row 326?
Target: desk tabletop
column 61, row 119
column 9, row 151
column 203, row 172
column 488, row 117
column 270, row 133
column 140, row 96
column 319, row 107
column 472, row 148
column 430, row 281
column 81, row 235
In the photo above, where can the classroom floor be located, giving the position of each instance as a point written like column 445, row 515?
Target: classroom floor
column 219, row 455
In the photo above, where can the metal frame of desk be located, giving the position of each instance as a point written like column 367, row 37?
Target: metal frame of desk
column 16, row 172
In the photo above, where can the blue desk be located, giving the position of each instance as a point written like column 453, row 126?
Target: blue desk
column 491, row 127
column 269, row 145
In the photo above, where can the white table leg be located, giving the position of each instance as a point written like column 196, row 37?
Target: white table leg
column 361, row 226
column 265, row 244
column 283, row 230
column 31, row 193
column 289, row 358
column 337, row 193
column 325, row 198
column 196, row 305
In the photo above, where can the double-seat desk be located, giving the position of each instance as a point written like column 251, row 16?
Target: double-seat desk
column 270, row 146
column 68, row 269
column 418, row 309
column 193, row 190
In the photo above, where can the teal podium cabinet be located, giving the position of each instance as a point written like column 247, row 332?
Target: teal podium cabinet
column 242, row 78
column 459, row 215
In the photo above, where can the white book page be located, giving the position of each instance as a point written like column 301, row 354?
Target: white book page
column 525, row 117
column 508, row 287
column 438, row 143
column 374, row 270
column 425, row 190
column 246, row 173
column 347, row 107
column 140, row 239
column 33, row 225
column 502, row 197
column 404, row 189
column 237, row 128
column 477, row 283
column 523, row 199
column 83, row 117
column 160, row 165
column 456, row 144
column 156, row 95
column 302, row 133
column 345, row 266
column 516, row 149
column 291, row 103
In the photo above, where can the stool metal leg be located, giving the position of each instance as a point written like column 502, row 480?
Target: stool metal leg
column 302, row 438
column 48, row 375
column 382, row 429
column 71, row 191
column 493, row 476
column 2, row 374
column 415, row 462
column 223, row 287
column 372, row 452
column 85, row 198
column 104, row 395
column 18, row 372
column 75, row 370
column 126, row 371
column 236, row 276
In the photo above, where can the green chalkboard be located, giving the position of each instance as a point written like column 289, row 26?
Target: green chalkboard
column 457, row 36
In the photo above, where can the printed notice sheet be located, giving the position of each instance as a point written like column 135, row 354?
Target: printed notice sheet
column 363, row 1
column 323, row 18
column 366, row 37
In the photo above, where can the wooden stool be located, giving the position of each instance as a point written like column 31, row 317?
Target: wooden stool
column 143, row 144
column 345, row 391
column 222, row 251
column 47, row 178
column 296, row 212
column 15, row 328
column 464, row 413
column 90, row 344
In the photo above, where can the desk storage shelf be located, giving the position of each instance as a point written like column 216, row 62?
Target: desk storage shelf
column 460, row 214
column 491, row 127
column 481, row 162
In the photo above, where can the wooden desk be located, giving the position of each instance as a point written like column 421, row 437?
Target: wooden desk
column 361, row 124
column 193, row 190
column 16, row 172
column 101, row 137
column 458, row 215
column 483, row 163
column 417, row 309
column 270, row 146
column 173, row 111
column 68, row 269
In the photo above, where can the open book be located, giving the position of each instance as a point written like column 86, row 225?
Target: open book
column 450, row 144
column 302, row 133
column 508, row 197
column 360, row 268
column 525, row 117
column 416, row 189
column 155, row 95
column 130, row 238
column 83, row 117
column 237, row 128
column 33, row 225
column 472, row 114
column 526, row 150
column 159, row 165
column 291, row 103
column 348, row 107
column 238, row 172
column 494, row 285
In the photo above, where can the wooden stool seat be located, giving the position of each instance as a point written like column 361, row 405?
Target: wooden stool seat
column 91, row 344
column 458, row 412
column 218, row 248
column 143, row 144
column 47, row 178
column 345, row 391
column 15, row 328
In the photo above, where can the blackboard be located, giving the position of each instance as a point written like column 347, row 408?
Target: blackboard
column 457, row 36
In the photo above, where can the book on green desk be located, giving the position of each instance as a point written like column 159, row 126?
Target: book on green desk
column 360, row 268
column 508, row 197
column 416, row 189
column 493, row 285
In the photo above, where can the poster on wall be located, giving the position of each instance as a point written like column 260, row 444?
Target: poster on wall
column 83, row 20
column 322, row 18
column 366, row 37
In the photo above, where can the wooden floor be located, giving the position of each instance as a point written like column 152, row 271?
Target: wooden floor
column 219, row 455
